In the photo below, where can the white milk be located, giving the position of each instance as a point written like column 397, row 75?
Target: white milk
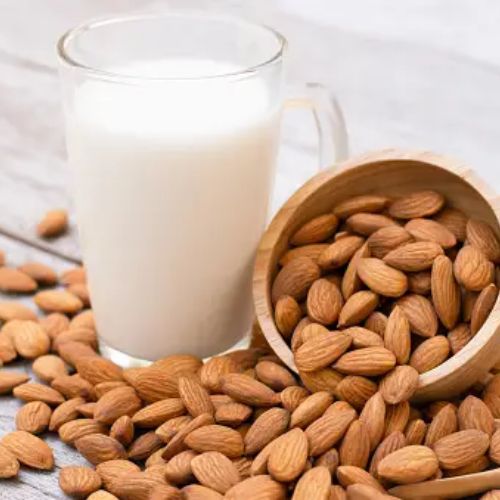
column 172, row 186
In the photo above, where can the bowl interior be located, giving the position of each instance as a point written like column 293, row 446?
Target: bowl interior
column 393, row 177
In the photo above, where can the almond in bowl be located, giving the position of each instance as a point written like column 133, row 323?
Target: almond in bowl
column 389, row 262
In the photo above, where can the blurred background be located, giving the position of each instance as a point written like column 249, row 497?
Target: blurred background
column 419, row 74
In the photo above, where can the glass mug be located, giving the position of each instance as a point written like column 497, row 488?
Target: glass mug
column 172, row 131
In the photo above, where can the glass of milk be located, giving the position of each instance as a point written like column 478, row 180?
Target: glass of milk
column 172, row 127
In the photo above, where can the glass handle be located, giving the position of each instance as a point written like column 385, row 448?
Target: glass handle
column 329, row 120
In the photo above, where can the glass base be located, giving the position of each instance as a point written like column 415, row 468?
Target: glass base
column 126, row 361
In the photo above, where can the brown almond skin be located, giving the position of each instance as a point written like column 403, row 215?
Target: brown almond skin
column 381, row 278
column 245, row 389
column 410, row 464
column 215, row 470
column 311, row 251
column 287, row 314
column 420, row 313
column 397, row 337
column 199, row 492
column 53, row 223
column 260, row 487
column 367, row 362
column 75, row 429
column 291, row 397
column 295, row 279
column 216, row 438
column 9, row 465
column 388, row 238
column 79, row 482
column 31, row 391
column 339, row 252
column 392, row 442
column 311, row 409
column 454, row 220
column 358, row 307
column 431, row 230
column 11, row 379
column 155, row 414
column 322, row 351
column 474, row 414
column 355, row 447
column 413, row 257
column 415, row 431
column 483, row 307
column 144, row 446
column 324, row 302
column 316, row 230
column 417, row 204
column 274, row 375
column 64, row 413
column 29, row 450
column 430, row 353
column 123, row 430
column 97, row 448
column 472, row 269
column 355, row 390
column 445, row 292
column 288, row 457
column 481, row 235
column 460, row 448
column 116, row 403
column 373, row 416
column 399, row 384
column 315, row 483
column 33, row 417
column 444, row 423
column 366, row 223
column 350, row 474
column 364, row 203
column 195, row 397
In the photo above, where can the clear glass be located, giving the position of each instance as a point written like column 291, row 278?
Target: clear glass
column 172, row 127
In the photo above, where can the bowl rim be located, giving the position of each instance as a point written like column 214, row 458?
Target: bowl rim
column 262, row 267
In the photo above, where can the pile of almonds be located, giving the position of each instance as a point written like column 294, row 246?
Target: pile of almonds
column 404, row 282
column 242, row 426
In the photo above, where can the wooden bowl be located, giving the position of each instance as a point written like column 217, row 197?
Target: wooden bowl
column 389, row 172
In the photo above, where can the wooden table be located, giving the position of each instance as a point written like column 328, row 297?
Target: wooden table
column 419, row 74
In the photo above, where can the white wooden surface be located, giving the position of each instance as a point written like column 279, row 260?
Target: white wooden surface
column 419, row 73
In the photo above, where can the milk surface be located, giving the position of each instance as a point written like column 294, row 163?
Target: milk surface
column 172, row 185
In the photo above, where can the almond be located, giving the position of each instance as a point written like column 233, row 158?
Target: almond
column 324, row 302
column 274, row 375
column 216, row 471
column 413, row 257
column 115, row 403
column 491, row 395
column 72, row 386
column 178, row 470
column 358, row 307
column 155, row 414
column 266, row 427
column 415, row 431
column 368, row 362
column 311, row 409
column 84, row 335
column 87, row 409
column 259, row 487
column 460, row 448
column 97, row 370
column 350, row 281
column 30, row 339
column 245, row 389
column 482, row 307
column 481, row 235
column 381, row 278
column 232, row 414
column 64, row 413
column 295, row 278
column 478, row 465
column 420, row 313
column 416, row 204
column 195, row 397
column 364, row 203
column 321, row 351
column 373, row 416
column 328, row 430
column 199, row 492
column 350, row 474
column 291, row 397
column 362, row 337
column 315, row 483
column 123, row 430
column 104, row 387
column 355, row 447
column 246, row 358
column 15, row 281
column 459, row 337
column 11, row 379
column 288, row 457
column 390, row 444
column 33, row 417
column 53, row 223
column 29, row 450
column 9, row 465
column 97, row 448
column 474, row 414
column 432, row 231
column 152, row 384
column 79, row 482
column 10, row 310
column 287, row 314
column 355, row 390
column 444, row 423
column 397, row 337
column 112, row 469
column 49, row 367
column 171, row 427
column 454, row 220
column 340, row 252
column 397, row 417
column 430, row 353
column 73, row 430
column 365, row 492
column 41, row 273
column 376, row 322
column 216, row 438
column 399, row 384
column 472, row 269
column 329, row 459
column 81, row 291
column 445, row 291
column 145, row 445
column 408, row 465
column 85, row 319
column 214, row 369
column 367, row 223
column 141, row 486
column 72, row 351
column 325, row 379
column 311, row 251
column 37, row 392
column 387, row 238
column 316, row 230
column 420, row 282
column 58, row 301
